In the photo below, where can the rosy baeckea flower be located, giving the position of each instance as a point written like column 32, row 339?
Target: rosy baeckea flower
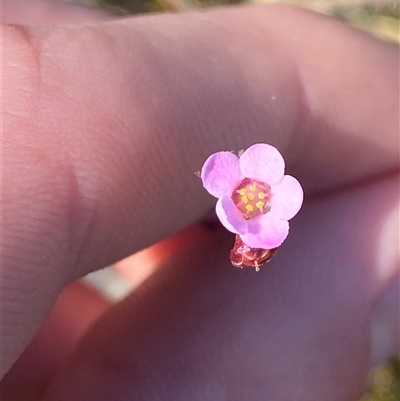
column 255, row 199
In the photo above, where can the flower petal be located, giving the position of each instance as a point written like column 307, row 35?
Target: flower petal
column 221, row 174
column 263, row 163
column 286, row 198
column 230, row 216
column 266, row 232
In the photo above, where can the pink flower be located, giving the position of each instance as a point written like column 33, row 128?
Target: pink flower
column 255, row 198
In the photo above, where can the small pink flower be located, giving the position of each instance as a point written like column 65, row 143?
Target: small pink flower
column 255, row 198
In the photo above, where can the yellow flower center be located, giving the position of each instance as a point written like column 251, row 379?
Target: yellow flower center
column 252, row 198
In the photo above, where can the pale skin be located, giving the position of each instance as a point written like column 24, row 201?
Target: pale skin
column 102, row 128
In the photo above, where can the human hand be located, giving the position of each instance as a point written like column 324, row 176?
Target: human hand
column 103, row 126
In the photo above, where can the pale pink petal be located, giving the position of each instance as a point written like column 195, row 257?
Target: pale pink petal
column 266, row 232
column 263, row 163
column 221, row 174
column 230, row 216
column 286, row 198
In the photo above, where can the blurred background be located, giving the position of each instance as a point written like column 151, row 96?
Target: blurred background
column 380, row 17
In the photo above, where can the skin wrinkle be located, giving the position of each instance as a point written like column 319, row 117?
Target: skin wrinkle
column 23, row 37
column 30, row 288
column 105, row 175
column 49, row 215
column 81, row 217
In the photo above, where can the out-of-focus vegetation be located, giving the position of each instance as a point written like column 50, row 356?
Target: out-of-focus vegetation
column 380, row 17
column 385, row 383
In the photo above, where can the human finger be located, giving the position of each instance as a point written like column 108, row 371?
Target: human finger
column 200, row 330
column 98, row 155
column 114, row 148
